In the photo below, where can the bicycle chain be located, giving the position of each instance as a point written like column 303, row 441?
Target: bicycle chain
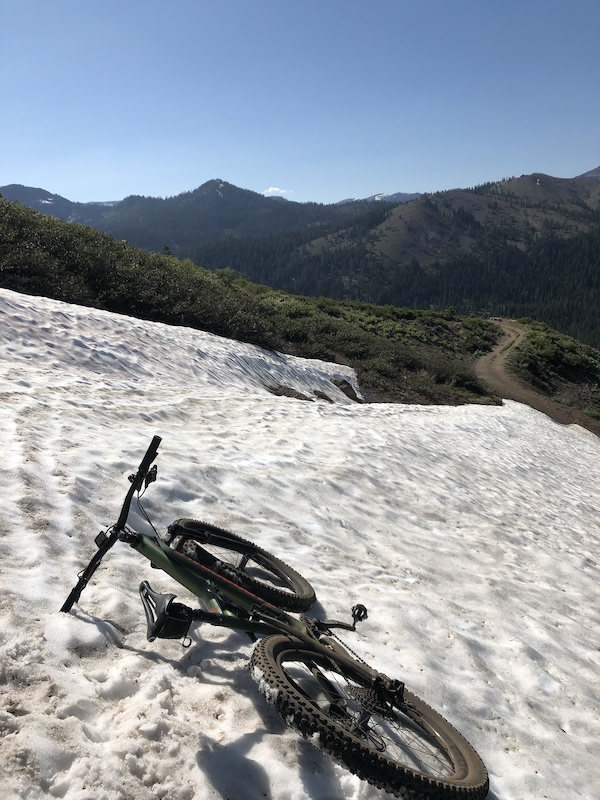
column 349, row 649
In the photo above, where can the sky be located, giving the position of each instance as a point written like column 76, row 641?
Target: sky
column 319, row 100
column 471, row 534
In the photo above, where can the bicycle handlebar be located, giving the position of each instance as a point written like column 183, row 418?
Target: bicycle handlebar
column 137, row 480
column 104, row 547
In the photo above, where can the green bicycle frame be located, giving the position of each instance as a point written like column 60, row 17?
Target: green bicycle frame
column 211, row 588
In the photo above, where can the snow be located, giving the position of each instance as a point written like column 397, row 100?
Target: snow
column 471, row 533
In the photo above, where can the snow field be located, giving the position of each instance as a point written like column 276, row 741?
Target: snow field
column 470, row 533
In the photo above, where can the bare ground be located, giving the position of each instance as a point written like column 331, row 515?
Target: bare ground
column 491, row 368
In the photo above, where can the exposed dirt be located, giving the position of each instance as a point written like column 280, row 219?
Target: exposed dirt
column 491, row 368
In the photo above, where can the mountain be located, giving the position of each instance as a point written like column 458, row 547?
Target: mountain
column 214, row 211
column 527, row 246
column 217, row 211
column 440, row 226
column 593, row 173
column 56, row 206
column 396, row 228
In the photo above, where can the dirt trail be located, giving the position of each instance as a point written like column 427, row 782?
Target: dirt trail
column 491, row 368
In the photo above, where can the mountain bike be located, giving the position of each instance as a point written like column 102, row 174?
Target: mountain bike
column 369, row 723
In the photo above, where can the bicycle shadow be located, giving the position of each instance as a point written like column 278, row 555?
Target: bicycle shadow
column 229, row 769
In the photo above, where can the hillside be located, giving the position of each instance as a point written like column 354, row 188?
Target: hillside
column 527, row 246
column 399, row 354
column 515, row 213
column 535, row 365
column 523, row 247
column 440, row 226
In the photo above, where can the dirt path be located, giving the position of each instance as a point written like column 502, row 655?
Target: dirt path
column 491, row 368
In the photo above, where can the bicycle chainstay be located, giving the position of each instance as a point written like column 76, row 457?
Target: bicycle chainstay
column 386, row 695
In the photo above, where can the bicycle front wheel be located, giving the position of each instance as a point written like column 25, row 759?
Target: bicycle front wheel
column 242, row 562
column 403, row 747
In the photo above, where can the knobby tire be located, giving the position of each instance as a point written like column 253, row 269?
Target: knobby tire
column 244, row 563
column 405, row 748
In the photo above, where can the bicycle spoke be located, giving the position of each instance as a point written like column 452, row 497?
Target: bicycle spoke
column 355, row 708
column 242, row 562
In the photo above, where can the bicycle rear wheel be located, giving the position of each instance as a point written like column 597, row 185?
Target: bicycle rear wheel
column 242, row 562
column 403, row 746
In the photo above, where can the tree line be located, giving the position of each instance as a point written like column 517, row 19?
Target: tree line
column 555, row 280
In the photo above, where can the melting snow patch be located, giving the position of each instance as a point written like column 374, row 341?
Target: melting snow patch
column 265, row 688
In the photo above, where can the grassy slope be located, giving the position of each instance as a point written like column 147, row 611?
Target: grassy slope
column 558, row 366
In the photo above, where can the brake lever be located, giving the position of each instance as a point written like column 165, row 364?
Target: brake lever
column 150, row 476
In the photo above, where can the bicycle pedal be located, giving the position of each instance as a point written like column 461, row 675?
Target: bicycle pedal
column 359, row 613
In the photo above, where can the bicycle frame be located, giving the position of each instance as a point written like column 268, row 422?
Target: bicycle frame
column 213, row 589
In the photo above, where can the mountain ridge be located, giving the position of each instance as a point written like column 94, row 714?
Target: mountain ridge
column 215, row 210
column 422, row 226
column 30, row 194
column 592, row 173
column 526, row 246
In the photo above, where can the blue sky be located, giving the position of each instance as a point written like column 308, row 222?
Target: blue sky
column 318, row 99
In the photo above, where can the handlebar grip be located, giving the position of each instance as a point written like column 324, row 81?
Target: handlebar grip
column 73, row 597
column 151, row 453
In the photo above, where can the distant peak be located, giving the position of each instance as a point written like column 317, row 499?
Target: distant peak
column 593, row 173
